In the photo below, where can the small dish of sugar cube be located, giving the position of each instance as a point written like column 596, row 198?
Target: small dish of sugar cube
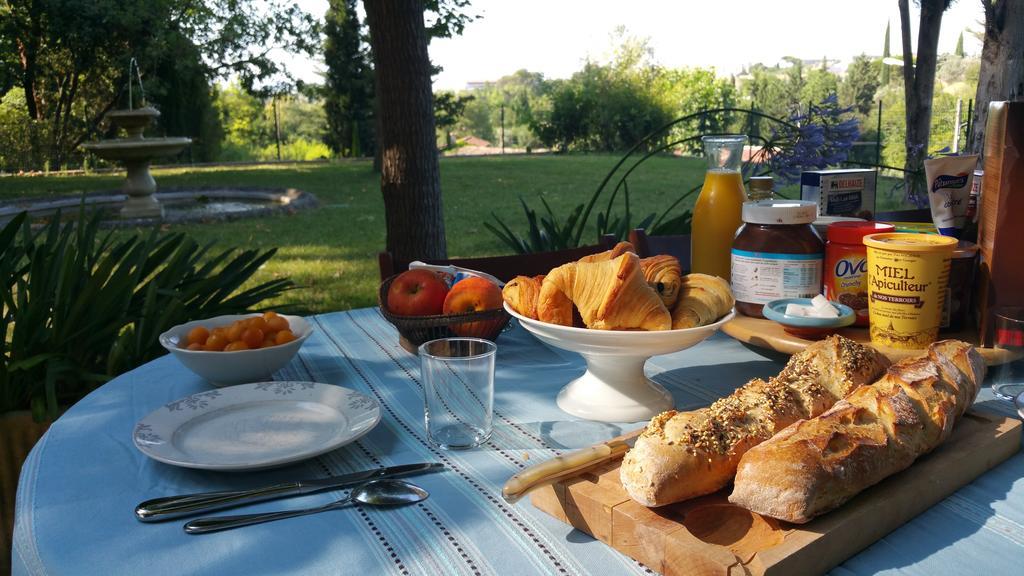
column 809, row 318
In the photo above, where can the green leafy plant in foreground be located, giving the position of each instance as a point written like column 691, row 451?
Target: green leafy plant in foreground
column 80, row 307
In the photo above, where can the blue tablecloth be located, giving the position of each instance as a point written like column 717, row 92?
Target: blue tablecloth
column 81, row 482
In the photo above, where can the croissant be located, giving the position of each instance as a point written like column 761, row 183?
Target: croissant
column 690, row 312
column 702, row 300
column 521, row 294
column 664, row 274
column 610, row 295
column 616, row 251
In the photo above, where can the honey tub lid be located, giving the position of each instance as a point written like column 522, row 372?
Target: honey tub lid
column 908, row 242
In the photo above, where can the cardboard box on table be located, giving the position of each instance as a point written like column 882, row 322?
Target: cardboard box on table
column 1001, row 216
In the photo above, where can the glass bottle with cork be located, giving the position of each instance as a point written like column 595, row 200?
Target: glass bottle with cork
column 716, row 215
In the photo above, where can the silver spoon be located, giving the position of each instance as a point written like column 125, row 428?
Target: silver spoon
column 376, row 493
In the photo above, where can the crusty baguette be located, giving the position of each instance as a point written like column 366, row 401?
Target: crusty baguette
column 816, row 465
column 686, row 454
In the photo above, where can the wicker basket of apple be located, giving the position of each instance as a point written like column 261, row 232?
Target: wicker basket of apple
column 423, row 307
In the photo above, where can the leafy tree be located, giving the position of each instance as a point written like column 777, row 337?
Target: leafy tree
column 302, row 117
column 71, row 56
column 241, row 116
column 519, row 95
column 769, row 92
column 795, row 75
column 182, row 93
column 603, row 108
column 14, row 131
column 959, row 51
column 447, row 18
column 476, row 119
column 348, row 90
column 563, row 121
column 691, row 90
column 818, row 85
column 861, row 82
column 614, row 105
column 894, row 124
column 448, row 109
column 249, row 125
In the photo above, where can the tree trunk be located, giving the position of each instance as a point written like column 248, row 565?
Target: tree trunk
column 28, row 52
column 1002, row 63
column 377, row 126
column 410, row 176
column 919, row 86
column 28, row 79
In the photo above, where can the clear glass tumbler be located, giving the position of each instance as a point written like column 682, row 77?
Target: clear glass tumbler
column 1008, row 378
column 458, row 391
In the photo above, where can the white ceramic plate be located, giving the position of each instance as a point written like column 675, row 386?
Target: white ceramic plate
column 255, row 426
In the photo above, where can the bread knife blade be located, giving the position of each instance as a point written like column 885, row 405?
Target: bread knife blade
column 566, row 465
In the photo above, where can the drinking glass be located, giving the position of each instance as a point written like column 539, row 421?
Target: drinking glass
column 458, row 391
column 1008, row 378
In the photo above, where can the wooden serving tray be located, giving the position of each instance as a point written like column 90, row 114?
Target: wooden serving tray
column 709, row 535
column 770, row 335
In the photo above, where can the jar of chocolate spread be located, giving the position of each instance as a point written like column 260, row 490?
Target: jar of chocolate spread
column 776, row 254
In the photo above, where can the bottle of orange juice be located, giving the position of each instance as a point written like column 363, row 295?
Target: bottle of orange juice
column 716, row 216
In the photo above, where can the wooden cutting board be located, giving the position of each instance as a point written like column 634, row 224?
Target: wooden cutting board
column 770, row 335
column 709, row 535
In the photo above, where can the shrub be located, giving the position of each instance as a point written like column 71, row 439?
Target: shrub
column 821, row 137
column 80, row 307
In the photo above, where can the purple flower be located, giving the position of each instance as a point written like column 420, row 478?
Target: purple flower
column 815, row 140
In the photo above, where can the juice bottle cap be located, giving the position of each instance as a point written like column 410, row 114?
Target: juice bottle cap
column 854, row 232
column 780, row 212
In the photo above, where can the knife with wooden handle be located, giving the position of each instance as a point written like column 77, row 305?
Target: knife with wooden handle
column 566, row 465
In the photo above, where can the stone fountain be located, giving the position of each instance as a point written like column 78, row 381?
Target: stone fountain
column 136, row 152
column 136, row 204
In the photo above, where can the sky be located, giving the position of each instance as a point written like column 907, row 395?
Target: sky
column 555, row 37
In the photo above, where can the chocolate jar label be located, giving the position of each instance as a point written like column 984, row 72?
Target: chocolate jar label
column 760, row 277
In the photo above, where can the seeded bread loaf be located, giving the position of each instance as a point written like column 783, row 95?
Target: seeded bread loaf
column 682, row 455
column 816, row 465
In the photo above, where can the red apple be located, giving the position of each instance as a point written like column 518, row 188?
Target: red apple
column 417, row 293
column 472, row 294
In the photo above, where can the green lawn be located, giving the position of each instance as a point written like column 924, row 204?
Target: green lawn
column 331, row 251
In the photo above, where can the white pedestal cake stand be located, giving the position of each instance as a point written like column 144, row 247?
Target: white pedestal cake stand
column 614, row 388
